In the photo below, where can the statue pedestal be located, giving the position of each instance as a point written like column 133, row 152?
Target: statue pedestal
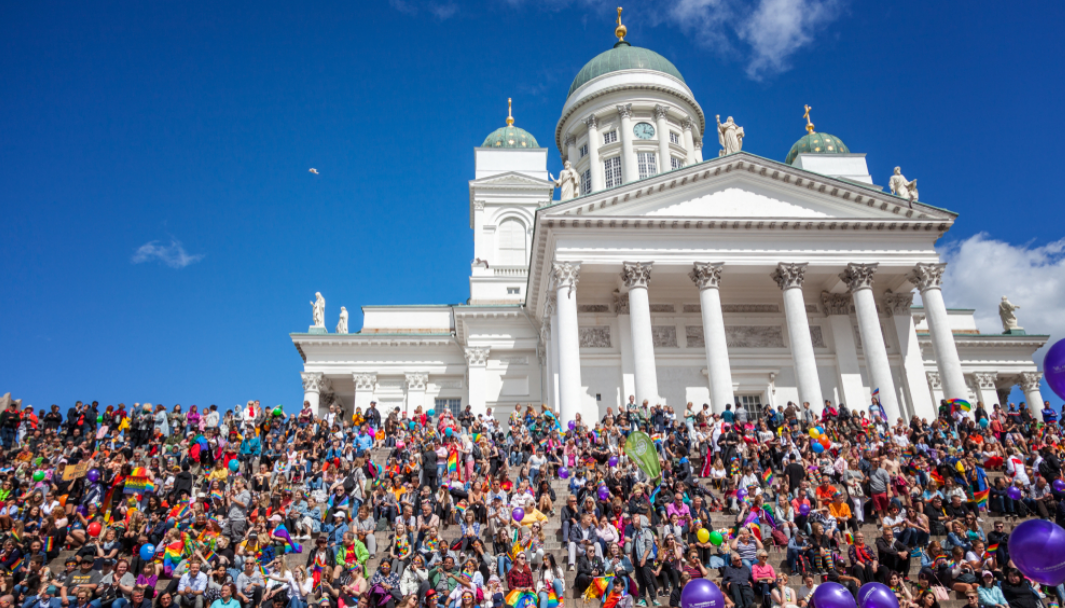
column 317, row 330
column 1016, row 331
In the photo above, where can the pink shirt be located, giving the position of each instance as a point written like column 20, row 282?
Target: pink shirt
column 760, row 572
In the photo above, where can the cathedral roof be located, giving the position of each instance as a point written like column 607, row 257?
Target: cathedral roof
column 817, row 143
column 510, row 137
column 623, row 56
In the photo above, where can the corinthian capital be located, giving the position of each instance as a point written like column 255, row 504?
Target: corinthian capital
column 707, row 274
column 858, row 276
column 625, row 110
column 687, row 124
column 1030, row 382
column 986, row 380
column 788, row 276
column 591, row 122
column 315, row 382
column 364, row 382
column 836, row 303
column 570, row 140
column 477, row 355
column 661, row 111
column 636, row 274
column 898, row 303
column 417, row 381
column 927, row 276
column 566, row 274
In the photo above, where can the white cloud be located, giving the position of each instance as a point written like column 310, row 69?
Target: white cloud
column 778, row 28
column 980, row 270
column 173, row 255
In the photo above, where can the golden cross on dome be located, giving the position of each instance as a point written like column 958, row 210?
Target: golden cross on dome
column 510, row 117
column 809, row 125
column 620, row 30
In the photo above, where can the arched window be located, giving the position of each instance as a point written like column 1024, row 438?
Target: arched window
column 511, row 239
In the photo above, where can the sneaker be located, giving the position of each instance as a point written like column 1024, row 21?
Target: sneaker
column 572, row 567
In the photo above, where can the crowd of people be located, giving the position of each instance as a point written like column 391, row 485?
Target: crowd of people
column 158, row 507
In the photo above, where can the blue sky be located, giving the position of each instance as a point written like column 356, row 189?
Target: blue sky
column 163, row 234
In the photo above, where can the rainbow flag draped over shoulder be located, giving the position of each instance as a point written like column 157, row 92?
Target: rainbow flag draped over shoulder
column 172, row 556
column 597, row 588
column 291, row 546
column 521, row 599
column 981, row 498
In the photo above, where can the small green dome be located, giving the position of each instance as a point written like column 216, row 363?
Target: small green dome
column 623, row 57
column 817, row 143
column 510, row 137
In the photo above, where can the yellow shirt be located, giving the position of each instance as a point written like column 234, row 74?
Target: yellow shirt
column 839, row 510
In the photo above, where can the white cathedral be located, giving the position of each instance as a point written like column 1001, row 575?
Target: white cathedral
column 676, row 279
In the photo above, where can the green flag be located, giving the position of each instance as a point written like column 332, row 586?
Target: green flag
column 641, row 450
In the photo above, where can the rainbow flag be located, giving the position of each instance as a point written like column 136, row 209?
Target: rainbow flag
column 936, row 476
column 217, row 495
column 553, row 601
column 180, row 511
column 15, row 566
column 516, row 546
column 452, row 460
column 961, row 404
column 49, row 544
column 597, row 588
column 849, row 538
column 767, row 477
column 521, row 599
column 992, row 550
column 139, row 482
column 172, row 556
column 981, row 498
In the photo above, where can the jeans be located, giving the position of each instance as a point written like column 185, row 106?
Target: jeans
column 502, row 565
column 557, row 584
column 534, row 474
column 793, row 560
column 7, row 437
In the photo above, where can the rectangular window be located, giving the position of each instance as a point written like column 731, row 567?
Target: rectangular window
column 513, row 291
column 674, row 137
column 611, row 137
column 586, row 181
column 753, row 405
column 455, row 405
column 675, row 162
column 612, row 171
column 584, row 150
column 648, row 164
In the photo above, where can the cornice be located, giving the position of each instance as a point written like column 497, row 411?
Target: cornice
column 302, row 341
column 990, row 340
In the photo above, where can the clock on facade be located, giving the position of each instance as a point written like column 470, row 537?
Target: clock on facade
column 643, row 130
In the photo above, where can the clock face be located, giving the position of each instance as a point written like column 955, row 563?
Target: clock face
column 643, row 130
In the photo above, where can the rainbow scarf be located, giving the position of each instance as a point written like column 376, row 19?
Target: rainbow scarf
column 402, row 548
column 521, row 599
column 347, row 556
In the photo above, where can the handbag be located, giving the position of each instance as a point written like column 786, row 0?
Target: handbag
column 940, row 592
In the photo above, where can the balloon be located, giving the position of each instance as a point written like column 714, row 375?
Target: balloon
column 877, row 595
column 1014, row 492
column 1059, row 485
column 1054, row 368
column 147, row 552
column 412, row 425
column 604, row 493
column 814, row 434
column 563, row 472
column 38, row 476
column 449, row 431
column 833, row 595
column 572, row 425
column 818, row 448
column 94, row 529
column 825, row 443
column 278, row 411
column 99, row 418
column 431, row 413
column 234, row 465
column 820, row 431
column 701, row 593
column 93, row 475
column 703, row 535
column 804, row 509
column 716, row 539
column 613, row 462
column 741, row 493
column 518, row 514
column 1037, row 548
column 984, row 423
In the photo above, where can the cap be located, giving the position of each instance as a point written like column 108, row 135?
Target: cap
column 987, row 573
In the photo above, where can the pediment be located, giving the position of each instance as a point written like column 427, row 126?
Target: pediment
column 751, row 187
column 509, row 178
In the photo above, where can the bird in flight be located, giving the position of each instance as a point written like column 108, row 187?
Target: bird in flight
column 314, row 171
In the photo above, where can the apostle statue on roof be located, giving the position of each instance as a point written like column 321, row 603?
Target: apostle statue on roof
column 569, row 181
column 730, row 135
column 901, row 187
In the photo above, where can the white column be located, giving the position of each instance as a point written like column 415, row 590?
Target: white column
column 565, row 276
column 698, row 148
column 628, row 366
column 789, row 278
column 364, row 387
column 1030, row 382
column 935, row 389
column 929, row 279
column 570, row 146
column 707, row 277
column 859, row 280
column 314, row 384
column 477, row 373
column 637, row 276
column 689, row 142
column 594, row 141
column 552, row 349
column 663, row 138
column 837, row 307
column 416, row 391
column 629, row 171
column 986, row 384
column 898, row 306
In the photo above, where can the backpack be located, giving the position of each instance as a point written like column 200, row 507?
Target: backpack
column 779, row 539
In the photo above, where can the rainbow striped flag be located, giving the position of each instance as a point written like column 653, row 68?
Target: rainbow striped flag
column 767, row 477
column 961, row 404
column 217, row 495
column 452, row 460
column 15, row 566
column 553, row 601
column 49, row 544
column 139, row 482
column 521, row 599
column 180, row 511
column 991, row 550
column 597, row 588
column 172, row 556
column 981, row 498
column 849, row 538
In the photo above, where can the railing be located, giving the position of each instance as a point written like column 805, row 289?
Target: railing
column 510, row 271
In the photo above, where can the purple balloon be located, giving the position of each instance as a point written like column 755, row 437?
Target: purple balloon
column 833, row 595
column 1059, row 485
column 701, row 593
column 1054, row 368
column 563, row 472
column 604, row 493
column 93, row 475
column 613, row 462
column 1014, row 492
column 518, row 514
column 877, row 595
column 804, row 510
column 741, row 493
column 1037, row 548
column 572, row 425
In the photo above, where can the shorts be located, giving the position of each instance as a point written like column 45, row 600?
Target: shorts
column 880, row 502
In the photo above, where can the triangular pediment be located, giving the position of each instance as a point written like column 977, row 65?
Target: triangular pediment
column 509, row 178
column 747, row 186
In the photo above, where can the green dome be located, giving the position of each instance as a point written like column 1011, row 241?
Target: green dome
column 817, row 143
column 623, row 57
column 510, row 137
